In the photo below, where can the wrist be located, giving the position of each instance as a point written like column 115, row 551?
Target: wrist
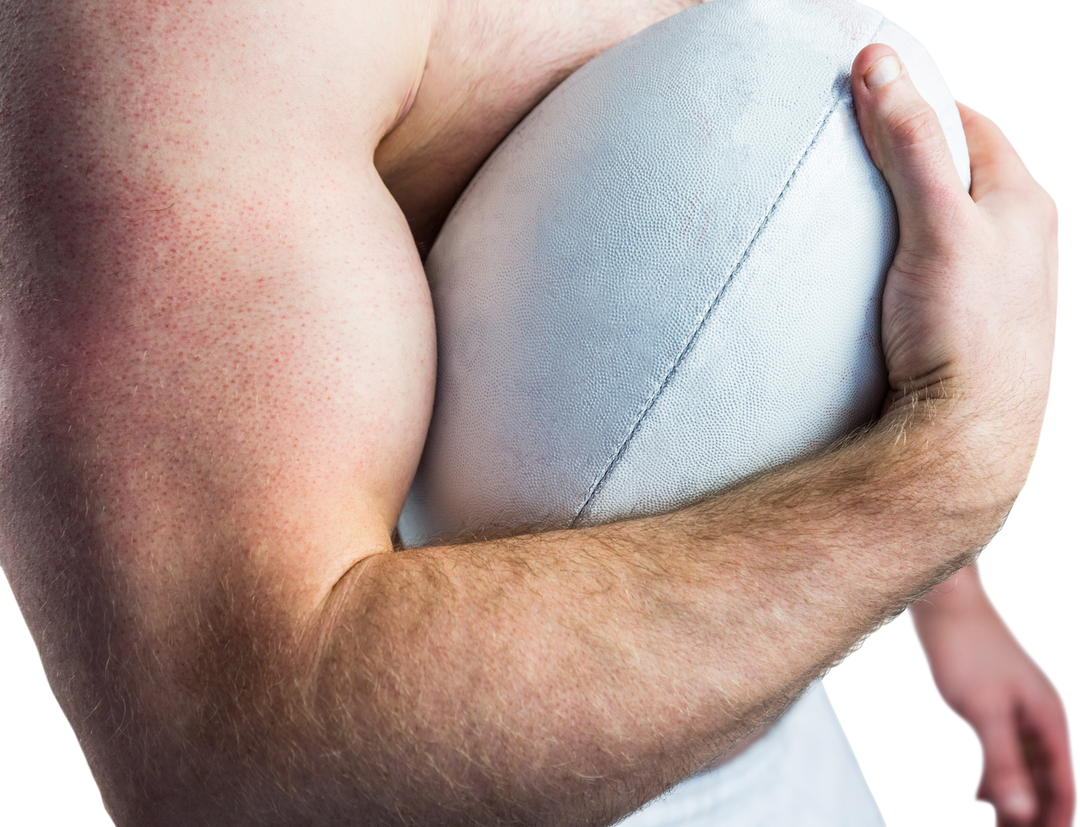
column 977, row 465
column 959, row 599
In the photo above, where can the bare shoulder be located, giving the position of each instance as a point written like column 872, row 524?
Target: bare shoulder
column 175, row 60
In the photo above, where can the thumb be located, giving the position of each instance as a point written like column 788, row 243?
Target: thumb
column 907, row 144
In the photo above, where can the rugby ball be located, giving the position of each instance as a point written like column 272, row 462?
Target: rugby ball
column 667, row 277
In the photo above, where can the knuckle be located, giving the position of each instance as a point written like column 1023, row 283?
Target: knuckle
column 1047, row 198
column 915, row 125
column 998, row 126
column 1036, row 211
column 1050, row 213
column 955, row 238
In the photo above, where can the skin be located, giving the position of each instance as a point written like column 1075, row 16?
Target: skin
column 988, row 679
column 218, row 365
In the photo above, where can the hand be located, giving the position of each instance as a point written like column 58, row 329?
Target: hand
column 969, row 303
column 984, row 675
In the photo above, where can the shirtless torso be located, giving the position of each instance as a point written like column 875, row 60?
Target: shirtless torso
column 218, row 365
column 487, row 65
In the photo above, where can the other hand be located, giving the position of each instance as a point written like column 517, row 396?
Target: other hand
column 988, row 679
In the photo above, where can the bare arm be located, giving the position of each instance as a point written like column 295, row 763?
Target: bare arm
column 217, row 373
column 984, row 674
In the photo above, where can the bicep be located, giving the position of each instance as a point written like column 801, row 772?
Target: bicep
column 260, row 385
column 217, row 365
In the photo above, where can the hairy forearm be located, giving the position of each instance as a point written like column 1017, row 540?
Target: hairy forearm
column 568, row 677
column 215, row 392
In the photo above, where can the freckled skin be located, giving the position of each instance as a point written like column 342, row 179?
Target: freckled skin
column 217, row 364
column 218, row 337
column 218, row 340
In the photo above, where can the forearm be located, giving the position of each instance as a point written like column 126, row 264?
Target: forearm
column 214, row 401
column 557, row 678
column 961, row 597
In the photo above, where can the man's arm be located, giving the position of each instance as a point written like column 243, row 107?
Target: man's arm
column 984, row 674
column 217, row 372
column 217, row 345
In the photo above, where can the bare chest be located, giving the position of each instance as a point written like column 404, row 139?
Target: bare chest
column 484, row 72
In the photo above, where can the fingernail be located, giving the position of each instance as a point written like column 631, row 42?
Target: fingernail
column 884, row 71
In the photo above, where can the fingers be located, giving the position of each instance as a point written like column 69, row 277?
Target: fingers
column 994, row 162
column 997, row 166
column 1006, row 781
column 907, row 144
column 1046, row 750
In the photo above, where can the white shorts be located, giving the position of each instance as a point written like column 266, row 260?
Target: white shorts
column 802, row 773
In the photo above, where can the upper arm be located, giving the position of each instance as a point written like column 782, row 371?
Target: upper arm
column 217, row 348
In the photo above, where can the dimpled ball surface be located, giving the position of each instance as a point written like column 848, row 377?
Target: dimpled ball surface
column 668, row 277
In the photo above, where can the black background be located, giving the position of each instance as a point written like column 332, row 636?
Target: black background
column 920, row 761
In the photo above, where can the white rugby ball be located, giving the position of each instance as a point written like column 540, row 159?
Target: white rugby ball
column 668, row 277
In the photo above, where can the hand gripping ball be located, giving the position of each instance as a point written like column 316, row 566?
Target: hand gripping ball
column 668, row 277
